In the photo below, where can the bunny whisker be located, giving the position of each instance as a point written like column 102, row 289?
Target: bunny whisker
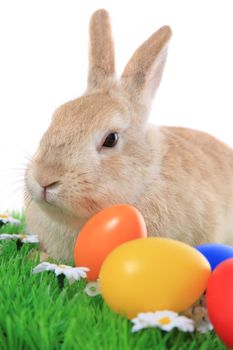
column 28, row 156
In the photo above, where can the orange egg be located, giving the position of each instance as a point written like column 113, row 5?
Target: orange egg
column 105, row 231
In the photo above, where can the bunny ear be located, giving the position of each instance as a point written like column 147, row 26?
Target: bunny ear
column 143, row 73
column 101, row 50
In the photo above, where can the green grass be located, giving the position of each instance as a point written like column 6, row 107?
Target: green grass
column 35, row 314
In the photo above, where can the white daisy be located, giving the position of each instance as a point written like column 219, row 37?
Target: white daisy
column 92, row 289
column 6, row 219
column 165, row 320
column 72, row 273
column 24, row 238
column 28, row 238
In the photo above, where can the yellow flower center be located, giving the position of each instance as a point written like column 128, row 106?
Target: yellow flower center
column 23, row 236
column 165, row 320
column 4, row 216
column 64, row 266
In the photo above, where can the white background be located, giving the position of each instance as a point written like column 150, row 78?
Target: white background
column 43, row 63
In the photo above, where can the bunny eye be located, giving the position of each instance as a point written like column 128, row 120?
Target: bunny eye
column 111, row 140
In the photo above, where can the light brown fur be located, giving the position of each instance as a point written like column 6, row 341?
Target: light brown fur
column 180, row 179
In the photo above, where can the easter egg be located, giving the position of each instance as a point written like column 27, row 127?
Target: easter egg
column 215, row 253
column 104, row 232
column 219, row 300
column 153, row 274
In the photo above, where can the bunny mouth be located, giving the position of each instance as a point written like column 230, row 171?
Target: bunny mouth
column 46, row 195
column 49, row 198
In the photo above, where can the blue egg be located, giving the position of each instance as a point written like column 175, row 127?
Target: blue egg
column 216, row 253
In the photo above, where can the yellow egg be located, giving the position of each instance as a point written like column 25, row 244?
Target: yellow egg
column 152, row 274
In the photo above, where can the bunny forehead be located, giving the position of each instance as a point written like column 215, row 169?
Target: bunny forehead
column 91, row 116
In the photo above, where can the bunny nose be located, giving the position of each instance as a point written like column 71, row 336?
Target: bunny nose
column 50, row 186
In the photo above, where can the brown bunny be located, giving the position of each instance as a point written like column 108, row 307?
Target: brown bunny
column 99, row 150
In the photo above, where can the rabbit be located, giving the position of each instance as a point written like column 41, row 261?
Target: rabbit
column 100, row 150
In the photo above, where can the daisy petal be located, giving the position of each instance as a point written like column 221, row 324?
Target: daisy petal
column 137, row 327
column 83, row 271
column 184, row 324
column 44, row 266
column 4, row 236
column 72, row 276
column 29, row 238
